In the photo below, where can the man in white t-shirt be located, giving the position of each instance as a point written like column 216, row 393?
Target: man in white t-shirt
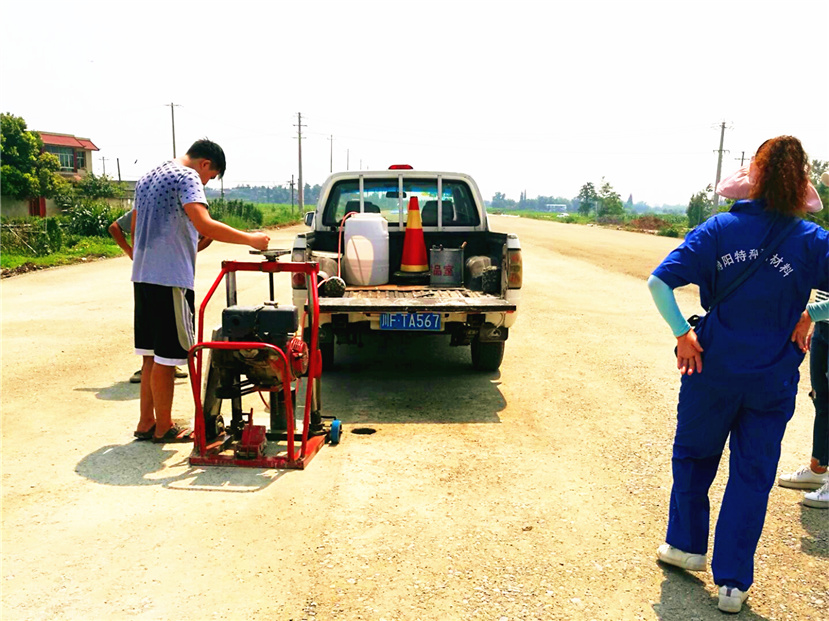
column 171, row 212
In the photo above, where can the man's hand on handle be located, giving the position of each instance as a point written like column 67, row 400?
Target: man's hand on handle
column 259, row 241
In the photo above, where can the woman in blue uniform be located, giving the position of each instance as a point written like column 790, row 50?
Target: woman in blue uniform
column 739, row 366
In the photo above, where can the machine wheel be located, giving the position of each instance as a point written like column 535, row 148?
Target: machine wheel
column 336, row 432
column 327, row 351
column 487, row 356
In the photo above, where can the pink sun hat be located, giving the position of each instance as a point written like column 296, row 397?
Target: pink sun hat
column 737, row 186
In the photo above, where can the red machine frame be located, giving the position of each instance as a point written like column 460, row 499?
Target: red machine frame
column 205, row 454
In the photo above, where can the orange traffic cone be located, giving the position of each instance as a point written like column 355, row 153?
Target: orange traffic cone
column 414, row 247
column 414, row 265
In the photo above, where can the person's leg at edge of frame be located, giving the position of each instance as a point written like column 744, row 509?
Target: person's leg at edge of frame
column 755, row 443
column 703, row 420
column 162, row 384
column 819, row 375
column 147, row 410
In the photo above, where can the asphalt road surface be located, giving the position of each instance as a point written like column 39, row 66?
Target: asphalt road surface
column 539, row 492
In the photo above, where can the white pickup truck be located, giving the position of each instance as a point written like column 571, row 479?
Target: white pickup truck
column 477, row 309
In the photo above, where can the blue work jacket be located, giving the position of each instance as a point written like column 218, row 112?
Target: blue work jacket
column 747, row 337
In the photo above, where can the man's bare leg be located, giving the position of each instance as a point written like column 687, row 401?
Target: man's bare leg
column 147, row 411
column 162, row 382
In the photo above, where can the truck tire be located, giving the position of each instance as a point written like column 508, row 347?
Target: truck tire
column 327, row 351
column 487, row 356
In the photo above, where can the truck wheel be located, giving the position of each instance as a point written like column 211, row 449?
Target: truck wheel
column 327, row 351
column 487, row 356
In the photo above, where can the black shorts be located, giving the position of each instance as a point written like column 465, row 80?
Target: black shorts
column 164, row 322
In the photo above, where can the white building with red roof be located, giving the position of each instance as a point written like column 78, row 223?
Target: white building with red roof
column 73, row 152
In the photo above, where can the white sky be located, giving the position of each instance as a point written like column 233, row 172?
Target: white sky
column 535, row 96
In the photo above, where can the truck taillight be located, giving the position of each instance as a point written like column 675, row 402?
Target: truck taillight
column 298, row 279
column 516, row 271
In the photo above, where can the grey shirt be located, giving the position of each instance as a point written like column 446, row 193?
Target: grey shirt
column 165, row 243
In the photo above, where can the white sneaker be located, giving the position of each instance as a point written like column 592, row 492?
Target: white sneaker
column 803, row 478
column 818, row 499
column 731, row 599
column 674, row 556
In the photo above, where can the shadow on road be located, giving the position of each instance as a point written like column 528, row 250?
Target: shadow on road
column 121, row 391
column 814, row 523
column 145, row 463
column 409, row 380
column 686, row 598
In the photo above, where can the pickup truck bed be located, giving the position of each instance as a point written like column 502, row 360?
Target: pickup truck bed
column 401, row 298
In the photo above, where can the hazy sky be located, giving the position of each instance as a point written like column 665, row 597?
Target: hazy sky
column 535, row 96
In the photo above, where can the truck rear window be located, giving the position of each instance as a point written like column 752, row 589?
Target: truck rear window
column 383, row 196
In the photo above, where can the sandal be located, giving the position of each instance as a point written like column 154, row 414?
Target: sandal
column 175, row 434
column 145, row 435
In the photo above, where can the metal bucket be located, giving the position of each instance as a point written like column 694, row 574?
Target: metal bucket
column 445, row 267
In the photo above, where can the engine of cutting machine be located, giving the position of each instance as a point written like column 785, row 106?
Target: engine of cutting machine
column 273, row 324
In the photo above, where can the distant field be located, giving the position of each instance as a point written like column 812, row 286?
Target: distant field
column 274, row 214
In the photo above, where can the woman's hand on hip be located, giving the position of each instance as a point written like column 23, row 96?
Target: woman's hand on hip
column 800, row 334
column 688, row 353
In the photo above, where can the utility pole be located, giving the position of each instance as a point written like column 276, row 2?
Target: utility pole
column 300, row 198
column 742, row 158
column 331, row 156
column 716, row 200
column 104, row 160
column 118, row 161
column 173, row 116
column 291, row 183
column 347, row 159
column 222, row 187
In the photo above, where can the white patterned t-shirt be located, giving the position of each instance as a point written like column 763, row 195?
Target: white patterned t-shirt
column 165, row 243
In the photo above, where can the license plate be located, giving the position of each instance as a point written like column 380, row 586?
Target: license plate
column 429, row 322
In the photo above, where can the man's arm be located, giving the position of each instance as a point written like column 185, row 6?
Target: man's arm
column 118, row 236
column 208, row 227
column 204, row 242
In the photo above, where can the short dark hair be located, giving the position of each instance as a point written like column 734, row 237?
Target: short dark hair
column 209, row 150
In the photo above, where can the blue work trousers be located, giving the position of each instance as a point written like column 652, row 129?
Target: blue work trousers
column 756, row 420
column 819, row 374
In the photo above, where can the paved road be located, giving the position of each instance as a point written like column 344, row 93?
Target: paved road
column 539, row 492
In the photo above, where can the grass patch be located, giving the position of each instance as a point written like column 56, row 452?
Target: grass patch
column 83, row 248
column 279, row 214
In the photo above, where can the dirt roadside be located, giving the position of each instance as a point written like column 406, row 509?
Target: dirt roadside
column 539, row 492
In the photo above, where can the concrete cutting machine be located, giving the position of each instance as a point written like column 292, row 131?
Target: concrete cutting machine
column 259, row 349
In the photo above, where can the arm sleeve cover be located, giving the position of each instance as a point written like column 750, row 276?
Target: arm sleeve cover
column 663, row 297
column 819, row 311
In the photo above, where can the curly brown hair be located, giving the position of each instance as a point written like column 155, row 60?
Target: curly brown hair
column 781, row 175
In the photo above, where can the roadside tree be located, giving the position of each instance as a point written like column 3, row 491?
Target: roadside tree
column 26, row 172
column 698, row 208
column 587, row 198
column 610, row 203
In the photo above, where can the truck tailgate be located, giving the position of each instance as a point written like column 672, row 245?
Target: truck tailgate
column 397, row 299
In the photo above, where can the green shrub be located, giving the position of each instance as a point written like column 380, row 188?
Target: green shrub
column 91, row 218
column 245, row 215
column 31, row 237
column 670, row 231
